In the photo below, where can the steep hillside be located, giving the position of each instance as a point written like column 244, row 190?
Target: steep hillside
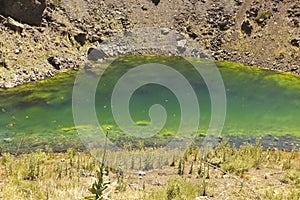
column 39, row 38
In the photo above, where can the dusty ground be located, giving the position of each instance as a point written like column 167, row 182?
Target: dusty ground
column 263, row 33
column 245, row 173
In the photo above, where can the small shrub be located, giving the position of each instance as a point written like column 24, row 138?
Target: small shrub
column 181, row 167
column 121, row 185
column 177, row 188
column 99, row 186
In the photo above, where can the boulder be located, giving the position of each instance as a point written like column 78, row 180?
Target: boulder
column 1, row 6
column 26, row 11
column 247, row 27
column 80, row 37
column 96, row 54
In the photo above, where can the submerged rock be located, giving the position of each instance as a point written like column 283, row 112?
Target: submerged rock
column 7, row 140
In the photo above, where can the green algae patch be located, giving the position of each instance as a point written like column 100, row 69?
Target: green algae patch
column 142, row 123
column 260, row 103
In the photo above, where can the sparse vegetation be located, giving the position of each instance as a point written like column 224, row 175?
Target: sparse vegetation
column 247, row 171
column 263, row 16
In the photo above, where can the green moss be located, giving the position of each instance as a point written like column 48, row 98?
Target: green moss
column 142, row 123
column 176, row 188
column 7, row 140
column 263, row 16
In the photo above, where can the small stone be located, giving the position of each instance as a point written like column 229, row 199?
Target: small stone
column 3, row 63
column 17, row 51
column 165, row 31
column 156, row 2
column 14, row 25
column 181, row 45
column 144, row 8
column 294, row 68
column 81, row 38
column 2, row 18
column 142, row 173
column 55, row 62
column 9, row 85
column 202, row 198
column 296, row 42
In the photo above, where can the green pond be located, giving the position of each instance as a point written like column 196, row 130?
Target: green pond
column 259, row 103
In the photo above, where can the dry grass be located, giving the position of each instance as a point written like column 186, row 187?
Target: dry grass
column 248, row 172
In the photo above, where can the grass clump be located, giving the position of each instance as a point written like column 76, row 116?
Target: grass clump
column 239, row 161
column 246, row 172
column 263, row 16
column 177, row 188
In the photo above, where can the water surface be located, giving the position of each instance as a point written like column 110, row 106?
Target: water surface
column 260, row 103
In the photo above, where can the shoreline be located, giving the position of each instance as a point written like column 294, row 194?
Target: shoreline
column 269, row 142
column 56, row 74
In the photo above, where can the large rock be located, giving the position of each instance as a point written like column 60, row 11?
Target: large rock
column 247, row 27
column 26, row 11
column 1, row 6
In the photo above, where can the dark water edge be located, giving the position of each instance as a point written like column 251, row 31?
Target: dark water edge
column 30, row 145
column 286, row 142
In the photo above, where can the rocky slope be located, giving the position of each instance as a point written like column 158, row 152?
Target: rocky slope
column 40, row 38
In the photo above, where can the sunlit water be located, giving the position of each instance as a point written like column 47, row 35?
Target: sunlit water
column 260, row 103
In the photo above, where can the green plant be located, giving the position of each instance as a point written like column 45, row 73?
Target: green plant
column 288, row 163
column 200, row 171
column 100, row 185
column 56, row 2
column 263, row 16
column 71, row 153
column 148, row 163
column 191, row 168
column 173, row 191
column 173, row 162
column 121, row 185
column 204, row 188
column 257, row 154
column 181, row 167
column 177, row 188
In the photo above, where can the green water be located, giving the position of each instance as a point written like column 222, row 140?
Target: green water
column 260, row 103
